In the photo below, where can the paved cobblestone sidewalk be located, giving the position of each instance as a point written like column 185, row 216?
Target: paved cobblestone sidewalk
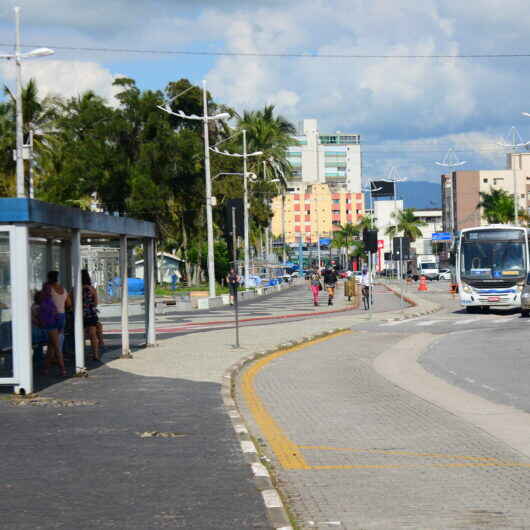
column 374, row 456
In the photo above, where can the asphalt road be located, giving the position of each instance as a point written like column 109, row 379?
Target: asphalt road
column 486, row 354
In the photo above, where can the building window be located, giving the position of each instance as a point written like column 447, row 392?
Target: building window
column 336, row 201
column 498, row 181
column 335, row 212
column 485, row 181
column 308, row 212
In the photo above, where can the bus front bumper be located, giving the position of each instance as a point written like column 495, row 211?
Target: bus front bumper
column 503, row 299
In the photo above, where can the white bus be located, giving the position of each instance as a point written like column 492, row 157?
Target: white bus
column 491, row 266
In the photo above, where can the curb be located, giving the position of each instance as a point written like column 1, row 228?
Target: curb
column 428, row 307
column 272, row 499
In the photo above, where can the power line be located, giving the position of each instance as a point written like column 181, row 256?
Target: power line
column 292, row 55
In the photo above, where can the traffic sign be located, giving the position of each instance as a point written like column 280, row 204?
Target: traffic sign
column 442, row 236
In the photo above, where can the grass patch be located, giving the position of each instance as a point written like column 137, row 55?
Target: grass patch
column 165, row 290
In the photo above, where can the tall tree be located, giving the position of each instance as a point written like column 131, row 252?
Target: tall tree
column 406, row 223
column 497, row 206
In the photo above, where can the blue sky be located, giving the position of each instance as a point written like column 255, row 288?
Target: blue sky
column 408, row 111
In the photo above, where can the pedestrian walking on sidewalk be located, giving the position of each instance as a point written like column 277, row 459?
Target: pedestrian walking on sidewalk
column 330, row 281
column 315, row 285
column 233, row 280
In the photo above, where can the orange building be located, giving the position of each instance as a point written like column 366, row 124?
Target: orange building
column 315, row 210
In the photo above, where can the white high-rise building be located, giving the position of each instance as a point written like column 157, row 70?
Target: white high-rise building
column 332, row 159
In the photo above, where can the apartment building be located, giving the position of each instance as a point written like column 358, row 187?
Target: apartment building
column 319, row 210
column 384, row 218
column 333, row 159
column 461, row 191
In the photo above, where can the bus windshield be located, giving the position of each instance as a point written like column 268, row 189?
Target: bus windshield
column 492, row 259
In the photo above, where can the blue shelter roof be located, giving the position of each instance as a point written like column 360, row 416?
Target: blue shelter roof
column 43, row 214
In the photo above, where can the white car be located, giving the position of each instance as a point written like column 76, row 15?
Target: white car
column 444, row 274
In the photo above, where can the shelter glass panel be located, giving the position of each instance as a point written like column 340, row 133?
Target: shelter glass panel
column 6, row 335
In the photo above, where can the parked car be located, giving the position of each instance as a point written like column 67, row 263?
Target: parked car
column 444, row 274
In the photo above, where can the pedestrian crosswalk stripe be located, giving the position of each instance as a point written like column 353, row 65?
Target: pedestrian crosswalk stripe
column 428, row 322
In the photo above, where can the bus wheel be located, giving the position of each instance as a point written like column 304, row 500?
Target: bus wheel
column 485, row 309
column 471, row 309
column 525, row 313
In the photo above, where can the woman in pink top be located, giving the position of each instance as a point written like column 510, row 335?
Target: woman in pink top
column 61, row 300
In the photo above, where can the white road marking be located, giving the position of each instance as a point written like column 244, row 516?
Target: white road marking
column 393, row 323
column 466, row 321
column 428, row 322
column 272, row 499
column 469, row 380
column 259, row 470
column 248, row 447
column 487, row 387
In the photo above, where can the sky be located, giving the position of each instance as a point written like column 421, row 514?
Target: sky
column 408, row 111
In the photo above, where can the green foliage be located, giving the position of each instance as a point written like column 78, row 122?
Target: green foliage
column 497, row 206
column 406, row 223
column 134, row 159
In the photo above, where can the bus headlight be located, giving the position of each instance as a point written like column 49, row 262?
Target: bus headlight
column 466, row 288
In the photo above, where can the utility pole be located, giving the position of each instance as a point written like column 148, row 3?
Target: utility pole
column 246, row 174
column 317, row 140
column 207, row 177
column 21, row 192
column 208, row 181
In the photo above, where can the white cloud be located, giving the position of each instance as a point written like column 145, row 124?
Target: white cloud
column 449, row 101
column 67, row 78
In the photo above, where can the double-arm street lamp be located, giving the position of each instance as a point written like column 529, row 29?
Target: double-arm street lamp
column 18, row 57
column 244, row 155
column 209, row 219
column 516, row 143
column 451, row 162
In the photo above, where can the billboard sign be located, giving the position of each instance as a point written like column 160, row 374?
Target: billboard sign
column 382, row 188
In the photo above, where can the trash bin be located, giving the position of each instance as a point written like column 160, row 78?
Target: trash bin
column 350, row 288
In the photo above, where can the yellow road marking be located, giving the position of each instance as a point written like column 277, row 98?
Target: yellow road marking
column 453, row 464
column 286, row 451
column 393, row 452
column 289, row 454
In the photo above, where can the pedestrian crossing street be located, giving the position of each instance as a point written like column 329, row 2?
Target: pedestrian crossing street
column 459, row 323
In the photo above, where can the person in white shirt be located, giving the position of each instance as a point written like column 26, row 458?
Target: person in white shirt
column 365, row 286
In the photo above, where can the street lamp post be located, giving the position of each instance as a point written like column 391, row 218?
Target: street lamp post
column 244, row 156
column 17, row 57
column 451, row 161
column 208, row 181
column 515, row 144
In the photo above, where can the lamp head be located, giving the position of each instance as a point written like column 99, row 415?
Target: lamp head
column 39, row 52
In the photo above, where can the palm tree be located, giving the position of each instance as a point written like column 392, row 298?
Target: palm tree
column 407, row 224
column 349, row 233
column 270, row 134
column 340, row 241
column 497, row 206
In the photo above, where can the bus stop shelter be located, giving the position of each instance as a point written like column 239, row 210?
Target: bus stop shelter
column 57, row 232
